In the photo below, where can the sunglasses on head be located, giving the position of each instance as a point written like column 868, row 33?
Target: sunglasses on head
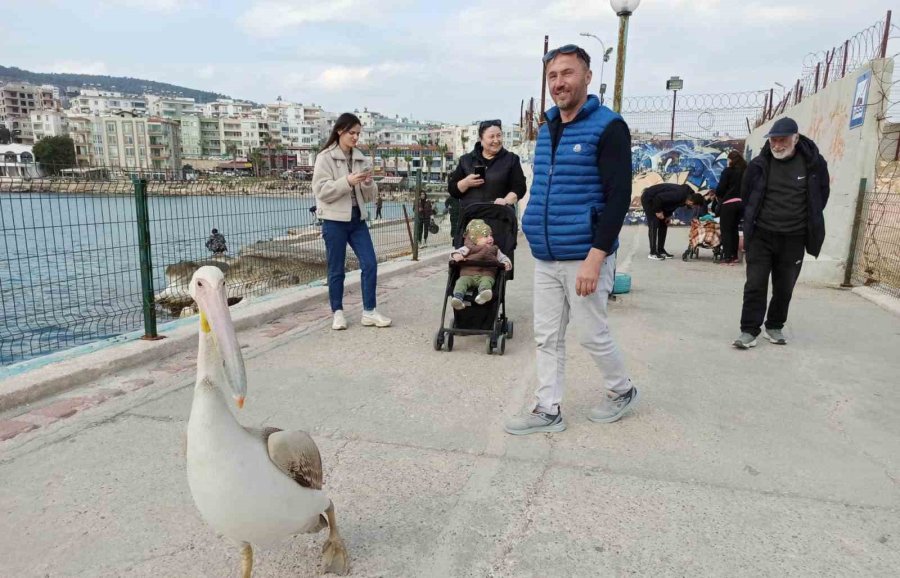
column 568, row 49
column 486, row 124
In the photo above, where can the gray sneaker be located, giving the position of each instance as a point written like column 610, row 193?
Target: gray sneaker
column 776, row 336
column 612, row 408
column 535, row 422
column 745, row 341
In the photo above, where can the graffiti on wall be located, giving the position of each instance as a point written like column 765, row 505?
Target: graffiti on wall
column 698, row 162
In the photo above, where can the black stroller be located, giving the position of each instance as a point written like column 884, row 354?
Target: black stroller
column 490, row 318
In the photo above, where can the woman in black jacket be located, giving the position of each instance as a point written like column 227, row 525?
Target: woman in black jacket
column 728, row 194
column 503, row 181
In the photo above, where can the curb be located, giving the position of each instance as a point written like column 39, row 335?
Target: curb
column 886, row 302
column 123, row 352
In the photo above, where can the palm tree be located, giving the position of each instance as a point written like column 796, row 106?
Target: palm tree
column 231, row 149
column 464, row 139
column 408, row 160
column 427, row 161
column 396, row 153
column 442, row 148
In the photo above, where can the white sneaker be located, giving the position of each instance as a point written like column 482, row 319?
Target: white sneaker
column 484, row 297
column 340, row 322
column 374, row 318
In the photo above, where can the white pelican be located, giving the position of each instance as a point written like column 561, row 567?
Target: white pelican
column 253, row 486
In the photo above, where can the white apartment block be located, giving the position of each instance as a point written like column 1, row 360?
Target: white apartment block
column 227, row 107
column 46, row 123
column 191, row 140
column 171, row 107
column 102, row 102
column 127, row 141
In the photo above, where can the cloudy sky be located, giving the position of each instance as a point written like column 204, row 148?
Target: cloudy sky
column 448, row 61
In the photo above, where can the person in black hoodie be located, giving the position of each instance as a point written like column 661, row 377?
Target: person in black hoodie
column 728, row 195
column 503, row 181
column 660, row 202
column 784, row 193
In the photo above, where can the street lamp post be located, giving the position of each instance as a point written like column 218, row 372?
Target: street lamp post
column 674, row 84
column 606, row 53
column 624, row 9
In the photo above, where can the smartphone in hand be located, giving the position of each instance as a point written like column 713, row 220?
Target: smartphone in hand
column 480, row 171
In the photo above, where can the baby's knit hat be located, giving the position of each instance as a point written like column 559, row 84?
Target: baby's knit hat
column 477, row 228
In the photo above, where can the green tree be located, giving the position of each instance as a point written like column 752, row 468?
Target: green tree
column 55, row 153
column 256, row 157
column 231, row 149
column 408, row 160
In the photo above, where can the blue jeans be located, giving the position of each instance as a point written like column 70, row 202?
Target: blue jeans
column 338, row 235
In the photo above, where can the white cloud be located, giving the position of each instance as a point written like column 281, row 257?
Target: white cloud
column 779, row 13
column 270, row 18
column 349, row 77
column 77, row 67
column 165, row 6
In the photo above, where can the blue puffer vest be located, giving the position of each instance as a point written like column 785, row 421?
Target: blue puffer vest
column 567, row 195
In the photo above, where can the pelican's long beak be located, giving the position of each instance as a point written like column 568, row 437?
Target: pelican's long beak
column 217, row 318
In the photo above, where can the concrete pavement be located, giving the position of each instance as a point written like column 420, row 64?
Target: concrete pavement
column 775, row 461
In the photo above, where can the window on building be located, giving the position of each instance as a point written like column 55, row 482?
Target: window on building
column 129, row 151
column 129, row 140
column 113, row 151
column 140, row 129
column 128, row 127
column 143, row 152
column 98, row 150
column 111, row 128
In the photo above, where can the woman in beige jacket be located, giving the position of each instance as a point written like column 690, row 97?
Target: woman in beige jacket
column 342, row 182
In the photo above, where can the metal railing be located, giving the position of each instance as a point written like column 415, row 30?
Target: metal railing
column 105, row 251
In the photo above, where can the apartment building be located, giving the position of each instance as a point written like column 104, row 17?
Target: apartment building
column 18, row 101
column 103, row 102
column 46, row 123
column 191, row 139
column 227, row 107
column 126, row 140
column 172, row 107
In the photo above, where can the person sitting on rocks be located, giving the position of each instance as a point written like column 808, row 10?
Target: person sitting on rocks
column 216, row 243
column 478, row 246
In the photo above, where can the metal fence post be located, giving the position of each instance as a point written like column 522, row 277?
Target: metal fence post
column 857, row 223
column 143, row 229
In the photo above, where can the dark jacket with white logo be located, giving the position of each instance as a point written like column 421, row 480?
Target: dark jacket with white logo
column 818, row 186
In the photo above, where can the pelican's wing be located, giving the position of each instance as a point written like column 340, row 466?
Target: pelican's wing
column 296, row 454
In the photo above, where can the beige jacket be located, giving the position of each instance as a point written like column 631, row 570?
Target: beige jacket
column 332, row 190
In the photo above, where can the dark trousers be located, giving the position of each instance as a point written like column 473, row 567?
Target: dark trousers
column 658, row 229
column 422, row 229
column 729, row 217
column 377, row 211
column 337, row 235
column 777, row 256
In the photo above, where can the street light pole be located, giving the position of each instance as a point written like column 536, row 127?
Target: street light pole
column 606, row 53
column 624, row 9
column 674, row 84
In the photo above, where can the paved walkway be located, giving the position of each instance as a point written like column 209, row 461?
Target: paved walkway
column 776, row 461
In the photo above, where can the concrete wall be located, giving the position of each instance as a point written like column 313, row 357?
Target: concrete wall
column 851, row 156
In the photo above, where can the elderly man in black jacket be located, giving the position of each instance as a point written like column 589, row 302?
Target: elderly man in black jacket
column 784, row 194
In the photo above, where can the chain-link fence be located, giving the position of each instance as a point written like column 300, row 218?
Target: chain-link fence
column 71, row 248
column 876, row 258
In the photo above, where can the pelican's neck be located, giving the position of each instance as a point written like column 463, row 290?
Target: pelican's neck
column 210, row 404
column 209, row 361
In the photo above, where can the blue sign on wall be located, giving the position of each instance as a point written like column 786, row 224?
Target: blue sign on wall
column 860, row 99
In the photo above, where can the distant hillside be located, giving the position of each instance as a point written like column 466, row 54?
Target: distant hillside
column 115, row 83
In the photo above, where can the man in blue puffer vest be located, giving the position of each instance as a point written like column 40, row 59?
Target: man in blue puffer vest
column 579, row 197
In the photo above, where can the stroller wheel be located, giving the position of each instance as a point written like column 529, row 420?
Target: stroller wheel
column 489, row 345
column 501, row 345
column 449, row 342
column 509, row 329
column 439, row 340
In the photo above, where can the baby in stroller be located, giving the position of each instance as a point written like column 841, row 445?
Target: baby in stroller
column 478, row 245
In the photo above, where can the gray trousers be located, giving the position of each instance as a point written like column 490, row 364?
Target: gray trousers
column 555, row 302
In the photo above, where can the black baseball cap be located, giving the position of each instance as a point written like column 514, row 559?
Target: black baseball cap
column 783, row 127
